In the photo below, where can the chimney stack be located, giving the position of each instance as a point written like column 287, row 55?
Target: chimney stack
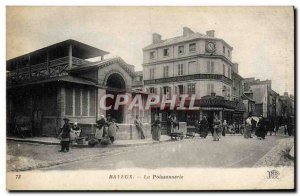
column 187, row 31
column 156, row 38
column 210, row 33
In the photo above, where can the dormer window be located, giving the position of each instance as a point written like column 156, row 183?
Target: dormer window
column 192, row 47
column 166, row 52
column 152, row 55
column 181, row 49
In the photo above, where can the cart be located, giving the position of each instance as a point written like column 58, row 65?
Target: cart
column 178, row 133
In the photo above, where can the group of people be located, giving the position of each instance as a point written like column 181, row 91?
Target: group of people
column 68, row 134
column 106, row 129
column 217, row 128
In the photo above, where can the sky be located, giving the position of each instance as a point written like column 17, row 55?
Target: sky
column 262, row 37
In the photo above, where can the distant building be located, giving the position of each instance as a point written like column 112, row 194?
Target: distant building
column 263, row 95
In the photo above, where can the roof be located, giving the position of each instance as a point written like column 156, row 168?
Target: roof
column 180, row 39
column 66, row 78
column 258, row 94
column 129, row 68
column 244, row 97
column 82, row 50
column 139, row 73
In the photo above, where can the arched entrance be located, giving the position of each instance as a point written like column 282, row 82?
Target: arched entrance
column 115, row 85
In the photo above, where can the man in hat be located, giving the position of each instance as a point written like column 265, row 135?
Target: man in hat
column 65, row 136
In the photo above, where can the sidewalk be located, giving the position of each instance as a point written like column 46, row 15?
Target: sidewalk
column 117, row 143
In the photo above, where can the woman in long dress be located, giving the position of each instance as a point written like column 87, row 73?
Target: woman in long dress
column 217, row 125
column 100, row 127
column 203, row 127
column 156, row 129
column 248, row 128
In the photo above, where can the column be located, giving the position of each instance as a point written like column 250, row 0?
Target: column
column 70, row 56
column 29, row 64
column 48, row 63
column 221, row 115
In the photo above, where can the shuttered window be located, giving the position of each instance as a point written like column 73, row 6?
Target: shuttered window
column 69, row 101
column 84, row 102
column 92, row 102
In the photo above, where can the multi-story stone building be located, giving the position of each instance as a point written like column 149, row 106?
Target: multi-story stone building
column 192, row 63
column 58, row 81
column 263, row 95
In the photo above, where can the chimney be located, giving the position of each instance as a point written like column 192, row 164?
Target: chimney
column 286, row 94
column 187, row 31
column 210, row 33
column 156, row 38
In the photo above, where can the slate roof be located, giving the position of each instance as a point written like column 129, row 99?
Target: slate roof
column 129, row 68
column 180, row 39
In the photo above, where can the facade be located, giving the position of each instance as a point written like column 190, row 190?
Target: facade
column 265, row 98
column 58, row 81
column 192, row 63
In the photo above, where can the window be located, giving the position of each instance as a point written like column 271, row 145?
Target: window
column 180, row 89
column 166, row 71
column 180, row 69
column 80, row 102
column 167, row 91
column 92, row 99
column 210, row 67
column 152, row 55
column 229, row 72
column 229, row 53
column 152, row 90
column 85, row 102
column 166, row 52
column 192, row 47
column 191, row 89
column 69, row 101
column 180, row 49
column 152, row 70
column 223, row 49
column 77, row 101
column 223, row 69
column 210, row 89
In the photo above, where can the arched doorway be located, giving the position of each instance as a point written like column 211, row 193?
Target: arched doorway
column 115, row 84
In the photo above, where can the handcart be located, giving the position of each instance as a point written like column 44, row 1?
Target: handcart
column 178, row 133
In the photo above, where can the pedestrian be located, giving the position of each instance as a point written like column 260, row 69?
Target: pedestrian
column 155, row 128
column 100, row 126
column 203, row 127
column 248, row 127
column 112, row 130
column 65, row 136
column 289, row 125
column 261, row 128
column 139, row 126
column 75, row 131
column 217, row 126
column 224, row 128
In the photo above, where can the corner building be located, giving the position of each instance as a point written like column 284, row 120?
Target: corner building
column 192, row 63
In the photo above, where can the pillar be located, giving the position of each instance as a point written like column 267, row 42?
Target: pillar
column 48, row 63
column 70, row 56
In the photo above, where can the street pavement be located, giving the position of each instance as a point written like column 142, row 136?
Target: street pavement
column 229, row 152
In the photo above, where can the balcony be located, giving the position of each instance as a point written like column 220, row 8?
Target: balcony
column 55, row 68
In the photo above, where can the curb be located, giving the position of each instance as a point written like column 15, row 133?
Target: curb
column 82, row 145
